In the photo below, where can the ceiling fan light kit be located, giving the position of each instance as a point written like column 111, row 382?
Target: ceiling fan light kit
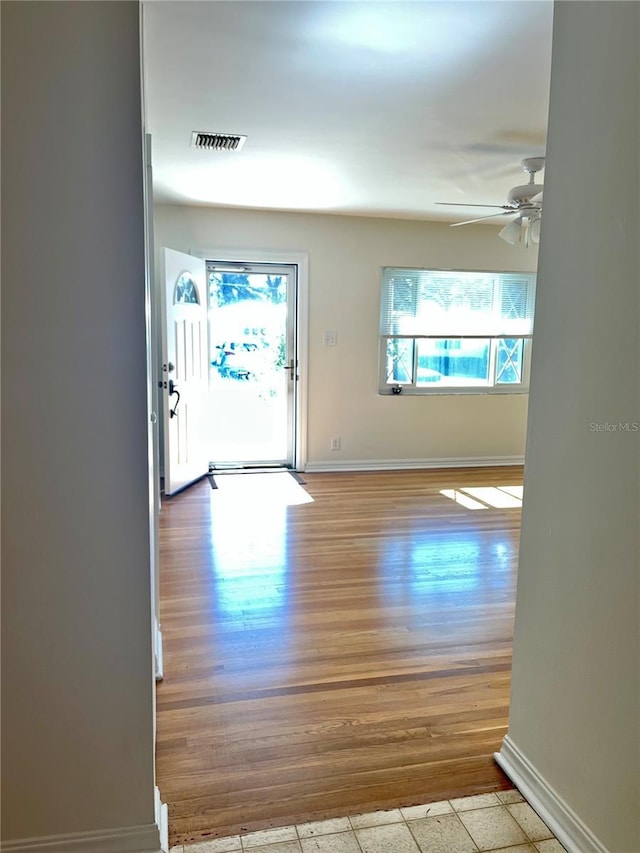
column 511, row 231
column 524, row 200
column 535, row 229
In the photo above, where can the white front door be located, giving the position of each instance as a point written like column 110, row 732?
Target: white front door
column 185, row 379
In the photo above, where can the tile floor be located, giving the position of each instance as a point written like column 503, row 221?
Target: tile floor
column 487, row 822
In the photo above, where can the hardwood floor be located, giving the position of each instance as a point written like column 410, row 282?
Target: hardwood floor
column 336, row 656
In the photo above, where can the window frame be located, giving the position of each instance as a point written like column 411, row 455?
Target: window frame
column 411, row 388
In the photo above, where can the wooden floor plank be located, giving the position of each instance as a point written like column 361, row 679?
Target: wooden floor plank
column 341, row 655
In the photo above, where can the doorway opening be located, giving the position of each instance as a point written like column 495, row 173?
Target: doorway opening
column 233, row 363
column 253, row 364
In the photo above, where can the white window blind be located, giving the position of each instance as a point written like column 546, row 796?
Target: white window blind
column 448, row 304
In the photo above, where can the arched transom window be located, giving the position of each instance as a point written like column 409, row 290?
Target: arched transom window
column 186, row 290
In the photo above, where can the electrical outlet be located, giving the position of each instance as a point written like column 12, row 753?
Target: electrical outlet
column 335, row 443
column 330, row 339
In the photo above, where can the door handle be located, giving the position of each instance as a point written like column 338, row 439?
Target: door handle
column 173, row 389
column 292, row 367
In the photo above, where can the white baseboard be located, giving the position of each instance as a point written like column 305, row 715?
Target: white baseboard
column 410, row 464
column 162, row 821
column 158, row 662
column 130, row 839
column 565, row 824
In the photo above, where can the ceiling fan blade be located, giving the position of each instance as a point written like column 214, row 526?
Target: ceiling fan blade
column 507, row 207
column 482, row 218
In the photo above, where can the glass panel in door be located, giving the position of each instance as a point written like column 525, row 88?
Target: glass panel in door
column 251, row 347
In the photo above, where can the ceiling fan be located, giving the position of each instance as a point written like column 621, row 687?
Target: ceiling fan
column 524, row 201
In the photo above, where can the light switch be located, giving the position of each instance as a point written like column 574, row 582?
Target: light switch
column 330, row 339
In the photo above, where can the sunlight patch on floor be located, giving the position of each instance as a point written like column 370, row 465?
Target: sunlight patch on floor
column 256, row 490
column 516, row 491
column 482, row 497
column 461, row 498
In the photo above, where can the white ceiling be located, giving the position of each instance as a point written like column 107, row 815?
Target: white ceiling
column 366, row 108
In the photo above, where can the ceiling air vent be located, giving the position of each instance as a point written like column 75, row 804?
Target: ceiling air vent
column 217, row 141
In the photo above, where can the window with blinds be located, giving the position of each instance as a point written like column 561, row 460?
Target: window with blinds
column 455, row 331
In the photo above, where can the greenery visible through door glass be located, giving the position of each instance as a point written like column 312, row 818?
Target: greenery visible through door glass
column 227, row 288
column 248, row 321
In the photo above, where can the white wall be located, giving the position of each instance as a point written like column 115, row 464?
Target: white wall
column 346, row 255
column 77, row 744
column 575, row 703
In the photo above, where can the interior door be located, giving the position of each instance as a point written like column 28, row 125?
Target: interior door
column 185, row 380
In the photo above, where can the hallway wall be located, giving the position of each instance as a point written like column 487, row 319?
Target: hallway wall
column 77, row 709
column 575, row 692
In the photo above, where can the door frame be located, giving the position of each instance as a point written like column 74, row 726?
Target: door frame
column 301, row 320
